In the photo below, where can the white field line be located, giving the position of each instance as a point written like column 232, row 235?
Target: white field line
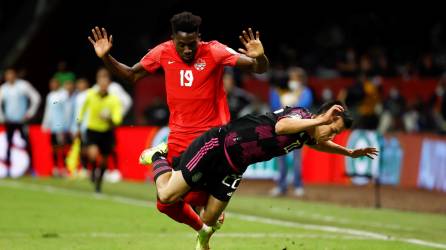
column 344, row 221
column 188, row 235
column 252, row 218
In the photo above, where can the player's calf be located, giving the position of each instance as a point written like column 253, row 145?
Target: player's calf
column 156, row 157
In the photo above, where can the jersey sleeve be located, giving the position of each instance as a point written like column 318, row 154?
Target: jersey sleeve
column 84, row 107
column 223, row 54
column 152, row 60
column 34, row 98
column 296, row 113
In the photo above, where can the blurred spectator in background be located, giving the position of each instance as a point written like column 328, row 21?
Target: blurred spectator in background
column 365, row 65
column 298, row 94
column 54, row 121
column 412, row 118
column 116, row 89
column 157, row 113
column 63, row 74
column 104, row 113
column 238, row 99
column 427, row 68
column 363, row 99
column 353, row 95
column 383, row 67
column 347, row 64
column 326, row 95
column 70, row 108
column 82, row 86
column 437, row 105
column 394, row 107
column 406, row 70
column 19, row 102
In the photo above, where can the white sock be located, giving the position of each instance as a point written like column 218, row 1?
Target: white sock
column 205, row 228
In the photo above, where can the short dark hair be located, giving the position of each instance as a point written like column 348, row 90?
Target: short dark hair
column 10, row 67
column 346, row 117
column 185, row 22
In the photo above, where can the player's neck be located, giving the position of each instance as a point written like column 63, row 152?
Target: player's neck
column 312, row 132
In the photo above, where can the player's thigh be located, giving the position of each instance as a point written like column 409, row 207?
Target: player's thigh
column 175, row 188
column 213, row 209
column 92, row 151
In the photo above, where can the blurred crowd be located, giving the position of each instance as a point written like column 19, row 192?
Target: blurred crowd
column 73, row 109
column 348, row 61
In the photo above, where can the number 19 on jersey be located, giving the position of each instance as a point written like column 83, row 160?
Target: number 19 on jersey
column 186, row 78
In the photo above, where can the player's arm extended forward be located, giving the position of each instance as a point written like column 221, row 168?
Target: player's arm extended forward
column 102, row 44
column 129, row 74
column 331, row 147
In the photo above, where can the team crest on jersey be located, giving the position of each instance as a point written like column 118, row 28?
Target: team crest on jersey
column 200, row 64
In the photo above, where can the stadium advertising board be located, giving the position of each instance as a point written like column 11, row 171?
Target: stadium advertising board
column 432, row 173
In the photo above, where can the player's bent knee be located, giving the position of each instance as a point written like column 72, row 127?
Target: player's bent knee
column 167, row 198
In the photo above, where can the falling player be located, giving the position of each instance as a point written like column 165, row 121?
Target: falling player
column 217, row 159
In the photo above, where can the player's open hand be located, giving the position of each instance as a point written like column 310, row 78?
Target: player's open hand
column 328, row 117
column 253, row 46
column 369, row 152
column 101, row 43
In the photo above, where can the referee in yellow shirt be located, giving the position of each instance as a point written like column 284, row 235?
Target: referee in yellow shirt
column 103, row 111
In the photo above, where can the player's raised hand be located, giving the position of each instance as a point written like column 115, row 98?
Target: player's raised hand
column 253, row 46
column 101, row 42
column 369, row 152
column 328, row 117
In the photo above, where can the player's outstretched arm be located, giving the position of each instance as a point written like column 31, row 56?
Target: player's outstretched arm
column 253, row 56
column 102, row 44
column 291, row 125
column 333, row 148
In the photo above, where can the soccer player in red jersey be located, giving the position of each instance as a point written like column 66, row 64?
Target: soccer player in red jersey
column 195, row 96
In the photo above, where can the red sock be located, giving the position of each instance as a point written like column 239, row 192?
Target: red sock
column 181, row 212
column 196, row 198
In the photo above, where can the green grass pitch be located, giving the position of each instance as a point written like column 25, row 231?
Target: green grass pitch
column 60, row 214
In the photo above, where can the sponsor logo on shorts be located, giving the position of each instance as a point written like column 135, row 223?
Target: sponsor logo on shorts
column 196, row 177
column 232, row 181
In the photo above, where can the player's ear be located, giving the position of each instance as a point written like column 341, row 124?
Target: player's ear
column 172, row 36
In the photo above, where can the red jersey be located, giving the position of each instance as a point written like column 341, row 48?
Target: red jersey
column 195, row 94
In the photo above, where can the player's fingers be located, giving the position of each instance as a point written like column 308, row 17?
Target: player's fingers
column 111, row 39
column 242, row 51
column 251, row 35
column 336, row 110
column 242, row 40
column 91, row 41
column 98, row 32
column 94, row 34
column 245, row 35
column 340, row 107
column 257, row 35
column 373, row 150
column 104, row 33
